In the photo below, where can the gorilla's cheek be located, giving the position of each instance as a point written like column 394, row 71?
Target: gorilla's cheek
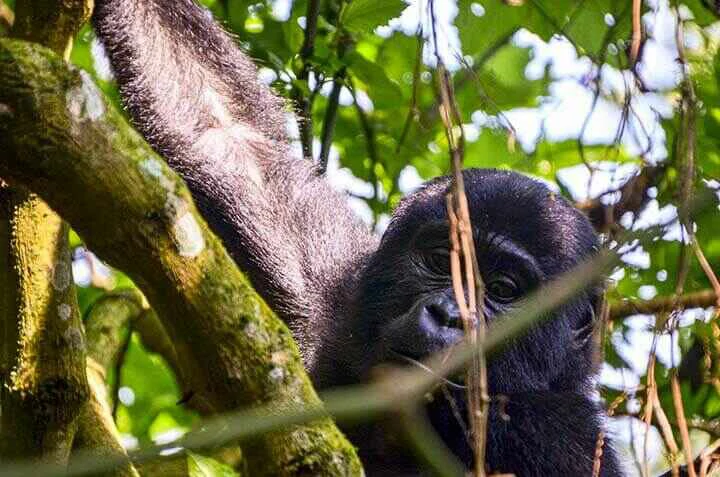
column 534, row 360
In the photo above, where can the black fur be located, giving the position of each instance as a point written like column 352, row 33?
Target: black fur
column 353, row 302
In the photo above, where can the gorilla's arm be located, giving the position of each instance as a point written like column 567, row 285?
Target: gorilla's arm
column 195, row 97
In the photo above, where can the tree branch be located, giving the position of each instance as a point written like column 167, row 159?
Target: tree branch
column 699, row 299
column 44, row 384
column 330, row 119
column 52, row 23
column 303, row 103
column 106, row 329
column 234, row 351
column 43, row 363
column 633, row 198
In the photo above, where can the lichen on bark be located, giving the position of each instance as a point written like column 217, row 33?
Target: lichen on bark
column 205, row 303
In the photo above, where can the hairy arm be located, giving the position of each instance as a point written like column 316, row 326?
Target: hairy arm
column 195, row 97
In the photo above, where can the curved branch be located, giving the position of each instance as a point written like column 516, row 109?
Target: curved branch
column 106, row 329
column 699, row 299
column 234, row 351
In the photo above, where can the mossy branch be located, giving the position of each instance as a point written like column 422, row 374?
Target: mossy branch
column 43, row 362
column 44, row 384
column 61, row 139
column 52, row 23
column 107, row 326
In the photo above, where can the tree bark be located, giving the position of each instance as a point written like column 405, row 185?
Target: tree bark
column 61, row 139
column 44, row 384
column 43, row 348
column 107, row 327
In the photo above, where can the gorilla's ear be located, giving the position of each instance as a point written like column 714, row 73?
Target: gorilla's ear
column 588, row 328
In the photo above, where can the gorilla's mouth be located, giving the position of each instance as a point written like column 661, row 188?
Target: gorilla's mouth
column 456, row 382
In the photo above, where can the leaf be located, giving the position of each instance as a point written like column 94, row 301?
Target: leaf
column 201, row 466
column 499, row 83
column 155, row 391
column 383, row 91
column 702, row 11
column 492, row 149
column 362, row 16
column 590, row 25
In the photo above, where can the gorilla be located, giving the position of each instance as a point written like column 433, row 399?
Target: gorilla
column 354, row 301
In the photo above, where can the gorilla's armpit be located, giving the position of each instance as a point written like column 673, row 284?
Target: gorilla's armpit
column 352, row 301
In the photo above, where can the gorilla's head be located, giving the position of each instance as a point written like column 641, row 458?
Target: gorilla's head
column 525, row 235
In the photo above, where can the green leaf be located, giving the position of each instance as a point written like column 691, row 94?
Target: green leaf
column 201, row 466
column 494, row 149
column 590, row 25
column 155, row 393
column 362, row 16
column 499, row 83
column 703, row 14
column 383, row 91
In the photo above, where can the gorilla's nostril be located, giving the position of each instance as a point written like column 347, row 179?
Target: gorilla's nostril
column 443, row 316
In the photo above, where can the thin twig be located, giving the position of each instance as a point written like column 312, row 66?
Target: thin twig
column 681, row 422
column 636, row 32
column 600, row 444
column 330, row 119
column 303, row 104
column 463, row 245
column 413, row 109
column 705, row 457
column 649, row 402
column 685, row 160
column 707, row 268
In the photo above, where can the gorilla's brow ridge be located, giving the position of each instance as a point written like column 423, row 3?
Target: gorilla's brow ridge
column 502, row 249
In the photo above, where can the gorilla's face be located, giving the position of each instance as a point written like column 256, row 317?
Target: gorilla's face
column 524, row 235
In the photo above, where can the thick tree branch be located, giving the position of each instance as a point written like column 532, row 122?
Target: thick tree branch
column 52, row 23
column 44, row 384
column 234, row 351
column 43, row 363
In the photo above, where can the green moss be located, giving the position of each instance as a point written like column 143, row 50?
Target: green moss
column 205, row 303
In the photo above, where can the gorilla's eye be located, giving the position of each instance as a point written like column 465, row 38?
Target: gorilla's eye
column 503, row 288
column 438, row 260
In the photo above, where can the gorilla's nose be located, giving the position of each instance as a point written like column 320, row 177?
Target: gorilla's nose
column 444, row 312
column 437, row 324
column 428, row 327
